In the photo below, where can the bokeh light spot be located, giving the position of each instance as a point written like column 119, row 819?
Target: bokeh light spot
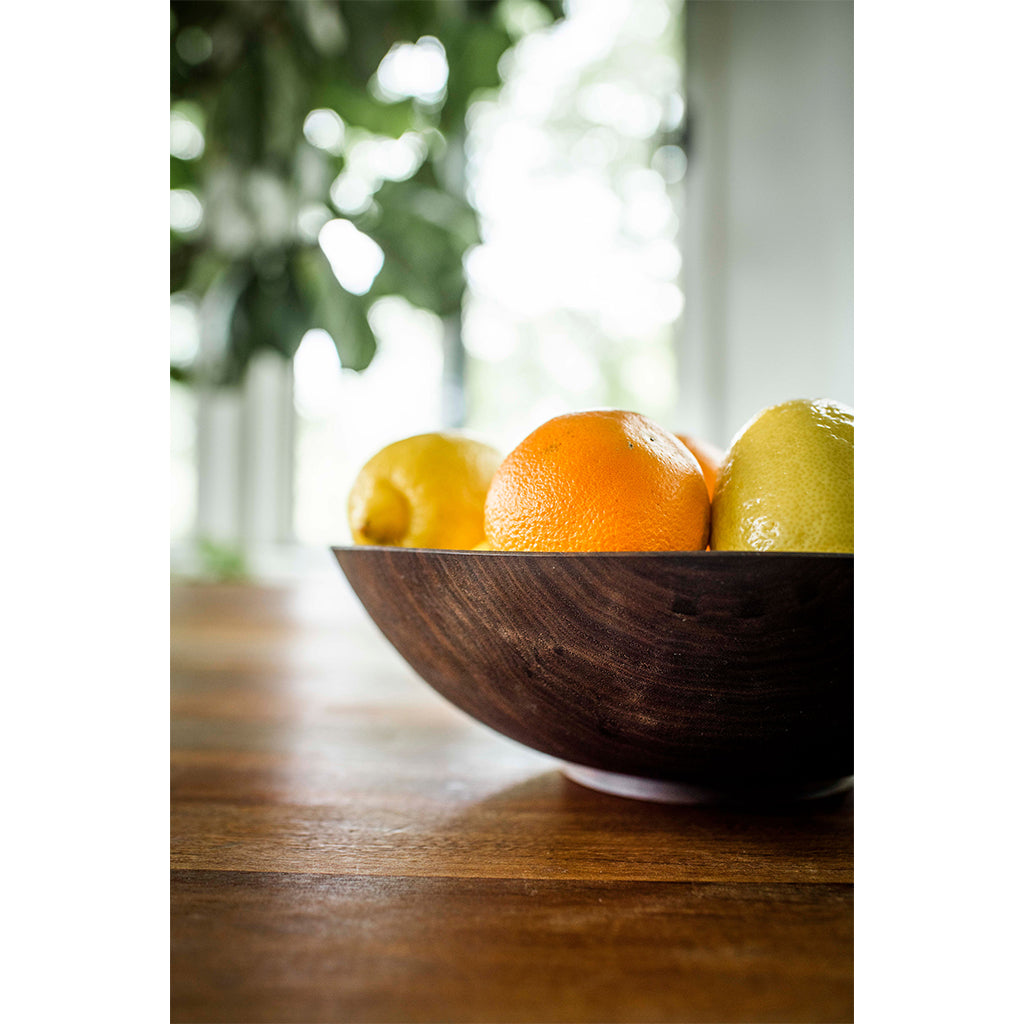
column 184, row 330
column 418, row 70
column 317, row 374
column 325, row 129
column 355, row 258
column 186, row 210
column 187, row 141
column 194, row 44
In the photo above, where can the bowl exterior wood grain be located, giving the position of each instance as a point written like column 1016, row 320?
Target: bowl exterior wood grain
column 724, row 668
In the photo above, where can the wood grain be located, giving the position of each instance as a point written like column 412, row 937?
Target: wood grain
column 724, row 668
column 326, row 948
column 346, row 845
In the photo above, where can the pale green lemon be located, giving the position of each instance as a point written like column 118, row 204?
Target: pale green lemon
column 786, row 482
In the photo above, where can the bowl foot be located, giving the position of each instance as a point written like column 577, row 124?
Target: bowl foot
column 672, row 792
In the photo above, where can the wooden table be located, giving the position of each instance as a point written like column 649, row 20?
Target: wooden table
column 346, row 846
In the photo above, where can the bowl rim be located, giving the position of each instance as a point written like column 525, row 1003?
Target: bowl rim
column 462, row 552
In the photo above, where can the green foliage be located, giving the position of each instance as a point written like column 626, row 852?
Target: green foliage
column 222, row 562
column 246, row 73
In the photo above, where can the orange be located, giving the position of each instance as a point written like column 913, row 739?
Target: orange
column 709, row 457
column 600, row 480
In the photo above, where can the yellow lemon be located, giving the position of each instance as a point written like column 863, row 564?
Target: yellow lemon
column 425, row 491
column 786, row 482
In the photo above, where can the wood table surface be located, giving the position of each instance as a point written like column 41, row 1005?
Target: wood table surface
column 346, row 846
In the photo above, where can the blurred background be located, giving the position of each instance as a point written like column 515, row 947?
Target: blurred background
column 397, row 216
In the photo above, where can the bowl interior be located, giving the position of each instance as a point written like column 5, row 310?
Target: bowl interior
column 710, row 668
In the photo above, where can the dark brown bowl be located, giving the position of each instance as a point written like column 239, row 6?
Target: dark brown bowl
column 665, row 675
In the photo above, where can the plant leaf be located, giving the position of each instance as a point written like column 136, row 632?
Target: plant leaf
column 424, row 233
column 335, row 310
column 269, row 314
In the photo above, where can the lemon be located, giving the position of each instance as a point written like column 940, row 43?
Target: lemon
column 786, row 483
column 425, row 491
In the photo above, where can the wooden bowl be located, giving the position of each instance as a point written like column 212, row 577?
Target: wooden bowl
column 675, row 676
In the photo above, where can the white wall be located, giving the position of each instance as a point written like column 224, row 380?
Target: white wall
column 768, row 220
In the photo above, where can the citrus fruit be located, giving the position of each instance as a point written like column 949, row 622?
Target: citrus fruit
column 786, row 482
column 708, row 456
column 425, row 491
column 599, row 480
